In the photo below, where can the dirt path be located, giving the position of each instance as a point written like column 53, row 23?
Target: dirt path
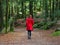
column 19, row 37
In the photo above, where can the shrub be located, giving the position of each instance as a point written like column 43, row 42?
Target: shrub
column 56, row 33
column 58, row 29
column 44, row 25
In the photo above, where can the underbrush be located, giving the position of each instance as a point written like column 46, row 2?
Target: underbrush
column 57, row 33
column 44, row 25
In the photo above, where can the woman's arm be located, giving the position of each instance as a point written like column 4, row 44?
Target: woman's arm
column 32, row 21
column 26, row 21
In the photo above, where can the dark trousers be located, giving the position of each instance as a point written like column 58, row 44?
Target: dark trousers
column 29, row 33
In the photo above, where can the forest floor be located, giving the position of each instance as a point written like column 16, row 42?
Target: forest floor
column 39, row 37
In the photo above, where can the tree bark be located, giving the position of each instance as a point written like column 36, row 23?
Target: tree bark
column 1, row 16
column 6, row 15
column 46, row 10
column 22, row 9
column 59, row 4
column 31, row 8
column 50, row 8
column 52, row 16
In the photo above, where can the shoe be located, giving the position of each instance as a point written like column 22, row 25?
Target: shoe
column 29, row 37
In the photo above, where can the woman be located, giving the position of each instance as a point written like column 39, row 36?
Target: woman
column 29, row 25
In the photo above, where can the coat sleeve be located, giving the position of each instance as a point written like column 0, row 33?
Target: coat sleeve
column 32, row 21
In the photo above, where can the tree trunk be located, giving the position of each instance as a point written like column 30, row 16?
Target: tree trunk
column 50, row 8
column 57, row 8
column 46, row 10
column 34, row 8
column 40, row 6
column 59, row 4
column 9, row 13
column 12, row 15
column 1, row 16
column 22, row 9
column 31, row 8
column 25, row 10
column 6, row 15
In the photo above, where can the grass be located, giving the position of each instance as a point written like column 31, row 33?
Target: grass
column 56, row 33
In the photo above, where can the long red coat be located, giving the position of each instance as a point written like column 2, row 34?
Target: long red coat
column 29, row 24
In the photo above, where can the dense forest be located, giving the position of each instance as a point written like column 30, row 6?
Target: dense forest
column 46, row 10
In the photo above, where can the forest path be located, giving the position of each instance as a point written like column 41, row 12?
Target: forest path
column 19, row 37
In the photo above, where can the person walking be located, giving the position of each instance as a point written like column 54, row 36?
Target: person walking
column 29, row 25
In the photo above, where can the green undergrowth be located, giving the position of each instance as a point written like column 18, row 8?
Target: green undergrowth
column 57, row 33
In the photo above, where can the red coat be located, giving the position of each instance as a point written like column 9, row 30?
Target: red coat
column 29, row 24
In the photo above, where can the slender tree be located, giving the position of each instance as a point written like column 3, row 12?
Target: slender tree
column 57, row 8
column 50, row 8
column 40, row 6
column 22, row 8
column 6, row 15
column 31, row 7
column 12, row 15
column 46, row 9
column 1, row 16
column 52, row 17
column 59, row 4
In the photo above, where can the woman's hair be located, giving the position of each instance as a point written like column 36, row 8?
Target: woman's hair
column 29, row 15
